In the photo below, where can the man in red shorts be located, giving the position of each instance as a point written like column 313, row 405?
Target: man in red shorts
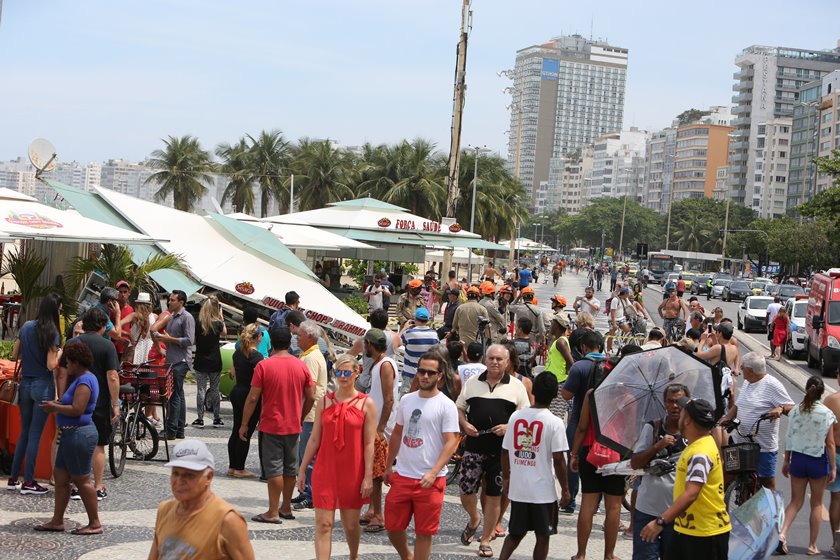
column 423, row 440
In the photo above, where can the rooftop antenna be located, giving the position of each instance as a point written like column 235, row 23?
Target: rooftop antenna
column 591, row 26
column 42, row 155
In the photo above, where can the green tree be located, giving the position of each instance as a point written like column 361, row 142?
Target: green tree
column 237, row 167
column 697, row 234
column 322, row 174
column 115, row 263
column 603, row 215
column 26, row 266
column 183, row 170
column 704, row 219
column 691, row 115
column 270, row 157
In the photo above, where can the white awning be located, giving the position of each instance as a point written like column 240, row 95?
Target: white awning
column 301, row 236
column 460, row 255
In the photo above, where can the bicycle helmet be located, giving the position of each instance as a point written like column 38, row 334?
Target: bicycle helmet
column 560, row 299
column 487, row 288
column 473, row 291
column 415, row 284
column 527, row 290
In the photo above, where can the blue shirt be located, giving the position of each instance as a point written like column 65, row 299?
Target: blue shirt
column 524, row 278
column 88, row 379
column 578, row 383
column 670, row 286
column 264, row 347
column 417, row 341
column 33, row 361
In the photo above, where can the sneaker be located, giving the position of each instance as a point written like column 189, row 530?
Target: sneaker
column 101, row 493
column 32, row 488
column 154, row 422
column 217, row 423
column 12, row 485
column 74, row 494
column 181, row 436
column 198, row 423
column 298, row 499
column 169, row 437
column 568, row 510
column 306, row 503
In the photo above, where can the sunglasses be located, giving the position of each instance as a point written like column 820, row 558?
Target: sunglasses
column 427, row 372
column 344, row 373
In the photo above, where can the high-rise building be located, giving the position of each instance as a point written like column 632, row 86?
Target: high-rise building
column 128, row 178
column 19, row 175
column 765, row 88
column 829, row 136
column 77, row 175
column 566, row 93
column 567, row 176
column 618, row 167
column 803, row 146
column 659, row 169
column 771, row 166
column 700, row 150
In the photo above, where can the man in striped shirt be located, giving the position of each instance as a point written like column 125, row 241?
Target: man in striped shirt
column 417, row 337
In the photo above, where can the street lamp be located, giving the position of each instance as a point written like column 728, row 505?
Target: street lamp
column 478, row 151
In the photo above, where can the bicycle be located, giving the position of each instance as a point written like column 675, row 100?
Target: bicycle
column 140, row 385
column 741, row 460
column 453, row 467
column 674, row 330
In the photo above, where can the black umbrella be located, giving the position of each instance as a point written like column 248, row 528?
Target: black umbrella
column 633, row 393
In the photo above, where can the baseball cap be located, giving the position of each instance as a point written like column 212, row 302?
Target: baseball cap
column 422, row 314
column 725, row 329
column 562, row 320
column 376, row 336
column 456, row 292
column 192, row 454
column 700, row 411
column 122, row 283
column 625, row 290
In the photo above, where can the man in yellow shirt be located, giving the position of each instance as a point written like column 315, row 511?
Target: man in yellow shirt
column 701, row 522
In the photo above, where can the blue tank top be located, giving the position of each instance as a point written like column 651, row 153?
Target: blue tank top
column 88, row 379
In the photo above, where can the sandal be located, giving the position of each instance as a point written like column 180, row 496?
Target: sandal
column 374, row 528
column 484, row 551
column 365, row 519
column 86, row 531
column 260, row 518
column 467, row 534
column 782, row 548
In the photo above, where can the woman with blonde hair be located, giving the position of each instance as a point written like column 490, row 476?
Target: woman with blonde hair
column 345, row 422
column 245, row 360
column 140, row 342
column 207, row 361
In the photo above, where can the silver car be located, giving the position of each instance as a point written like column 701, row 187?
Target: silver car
column 718, row 286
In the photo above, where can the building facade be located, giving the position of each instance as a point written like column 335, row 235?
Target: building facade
column 766, row 86
column 566, row 93
column 618, row 166
column 700, row 150
column 659, row 169
column 772, row 160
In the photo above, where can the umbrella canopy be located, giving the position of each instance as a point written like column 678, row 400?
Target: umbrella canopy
column 301, row 236
column 632, row 393
column 756, row 525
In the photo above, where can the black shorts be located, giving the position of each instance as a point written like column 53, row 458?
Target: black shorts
column 593, row 483
column 474, row 466
column 102, row 421
column 539, row 518
column 688, row 547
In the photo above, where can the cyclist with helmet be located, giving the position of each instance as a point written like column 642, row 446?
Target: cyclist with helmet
column 410, row 301
column 558, row 313
column 468, row 315
column 526, row 307
column 498, row 325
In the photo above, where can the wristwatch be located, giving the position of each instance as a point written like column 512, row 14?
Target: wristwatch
column 660, row 521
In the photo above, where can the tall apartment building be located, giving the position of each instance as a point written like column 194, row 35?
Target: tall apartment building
column 659, row 169
column 77, row 175
column 765, row 88
column 771, row 166
column 19, row 175
column 802, row 172
column 700, row 150
column 566, row 179
column 566, row 93
column 618, row 167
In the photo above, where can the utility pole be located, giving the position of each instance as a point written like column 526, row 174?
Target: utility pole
column 457, row 116
column 725, row 232
column 668, row 229
column 292, row 196
column 621, row 237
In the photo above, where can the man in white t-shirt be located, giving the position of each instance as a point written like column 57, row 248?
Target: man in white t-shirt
column 532, row 458
column 473, row 367
column 588, row 302
column 423, row 440
column 760, row 394
column 375, row 294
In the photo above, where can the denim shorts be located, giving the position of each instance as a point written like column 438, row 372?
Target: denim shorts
column 806, row 466
column 75, row 450
column 767, row 464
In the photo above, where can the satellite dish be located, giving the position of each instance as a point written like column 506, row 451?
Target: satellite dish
column 42, row 155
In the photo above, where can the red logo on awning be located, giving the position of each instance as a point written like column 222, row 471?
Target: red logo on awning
column 384, row 222
column 244, row 288
column 455, row 228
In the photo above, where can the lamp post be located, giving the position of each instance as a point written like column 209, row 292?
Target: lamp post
column 478, row 151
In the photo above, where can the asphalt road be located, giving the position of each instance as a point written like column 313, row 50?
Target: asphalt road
column 792, row 374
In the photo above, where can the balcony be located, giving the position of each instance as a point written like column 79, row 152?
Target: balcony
column 743, row 74
column 743, row 85
column 737, row 157
column 741, row 121
column 739, row 145
column 740, row 109
column 742, row 98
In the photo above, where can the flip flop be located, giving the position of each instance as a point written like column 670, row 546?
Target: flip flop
column 365, row 519
column 484, row 551
column 260, row 518
column 782, row 548
column 498, row 535
column 288, row 516
column 374, row 528
column 45, row 529
column 86, row 531
column 467, row 534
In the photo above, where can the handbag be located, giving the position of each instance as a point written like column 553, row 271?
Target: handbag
column 9, row 387
column 600, row 455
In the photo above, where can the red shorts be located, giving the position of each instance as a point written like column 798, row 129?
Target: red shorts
column 406, row 498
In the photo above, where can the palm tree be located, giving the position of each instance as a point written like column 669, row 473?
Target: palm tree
column 26, row 267
column 114, row 263
column 695, row 234
column 270, row 154
column 237, row 167
column 322, row 174
column 412, row 175
column 183, row 171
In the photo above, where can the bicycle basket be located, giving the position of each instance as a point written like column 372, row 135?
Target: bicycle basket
column 153, row 381
column 741, row 457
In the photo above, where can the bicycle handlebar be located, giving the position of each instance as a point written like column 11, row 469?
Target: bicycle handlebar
column 734, row 424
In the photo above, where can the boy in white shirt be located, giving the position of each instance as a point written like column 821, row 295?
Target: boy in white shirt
column 535, row 443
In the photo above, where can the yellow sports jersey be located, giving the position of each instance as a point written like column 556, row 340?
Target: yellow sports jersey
column 707, row 516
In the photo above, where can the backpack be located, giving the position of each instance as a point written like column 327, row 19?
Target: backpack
column 607, row 305
column 278, row 318
column 600, row 370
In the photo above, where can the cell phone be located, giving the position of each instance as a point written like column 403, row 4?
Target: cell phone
column 710, row 329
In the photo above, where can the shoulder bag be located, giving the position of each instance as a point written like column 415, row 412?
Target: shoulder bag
column 9, row 387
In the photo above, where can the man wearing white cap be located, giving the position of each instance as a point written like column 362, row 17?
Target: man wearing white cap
column 197, row 523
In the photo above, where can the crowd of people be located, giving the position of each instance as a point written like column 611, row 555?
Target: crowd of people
column 502, row 379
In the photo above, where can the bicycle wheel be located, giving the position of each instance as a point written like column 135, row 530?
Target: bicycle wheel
column 740, row 490
column 143, row 438
column 117, row 446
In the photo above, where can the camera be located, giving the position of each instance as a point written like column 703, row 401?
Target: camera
column 483, row 322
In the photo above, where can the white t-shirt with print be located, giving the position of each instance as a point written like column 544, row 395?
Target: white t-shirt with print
column 465, row 371
column 533, row 435
column 424, row 421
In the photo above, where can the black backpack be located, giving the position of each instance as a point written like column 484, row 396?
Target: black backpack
column 598, row 373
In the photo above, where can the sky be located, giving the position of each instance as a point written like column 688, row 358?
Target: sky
column 109, row 79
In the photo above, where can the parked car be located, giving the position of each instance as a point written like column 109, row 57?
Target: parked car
column 718, row 285
column 752, row 314
column 758, row 287
column 736, row 289
column 721, row 276
column 822, row 322
column 787, row 291
column 689, row 278
column 797, row 309
column 698, row 286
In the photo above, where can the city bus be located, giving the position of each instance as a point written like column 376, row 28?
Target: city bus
column 580, row 253
column 660, row 265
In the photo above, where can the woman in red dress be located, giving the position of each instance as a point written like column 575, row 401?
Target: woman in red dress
column 345, row 422
column 781, row 324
